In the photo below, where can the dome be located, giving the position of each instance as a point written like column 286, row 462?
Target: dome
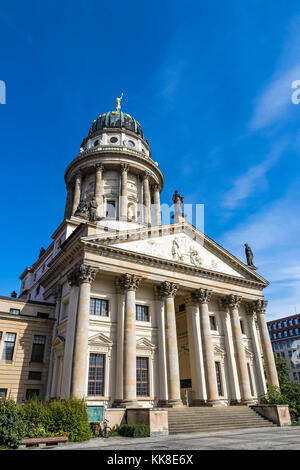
column 116, row 119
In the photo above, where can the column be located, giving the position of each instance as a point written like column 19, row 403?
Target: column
column 234, row 387
column 57, row 295
column 195, row 348
column 157, row 214
column 120, row 345
column 129, row 284
column 68, row 203
column 203, row 297
column 259, row 369
column 162, row 358
column 259, row 307
column 232, row 302
column 86, row 275
column 77, row 189
column 147, row 198
column 98, row 189
column 124, row 191
column 168, row 291
column 73, row 280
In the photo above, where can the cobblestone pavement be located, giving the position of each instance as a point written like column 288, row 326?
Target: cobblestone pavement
column 246, row 439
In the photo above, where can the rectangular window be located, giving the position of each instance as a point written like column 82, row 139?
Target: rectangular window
column 285, row 333
column 38, row 348
column 111, row 209
column 3, row 392
column 291, row 332
column 296, row 321
column 285, row 323
column 274, row 326
column 219, row 381
column 96, row 374
column 279, row 325
column 212, row 322
column 242, row 327
column 296, row 331
column 142, row 372
column 291, row 322
column 32, row 392
column 34, row 375
column 274, row 336
column 279, row 334
column 99, row 307
column 142, row 312
column 9, row 346
column 14, row 311
column 250, row 379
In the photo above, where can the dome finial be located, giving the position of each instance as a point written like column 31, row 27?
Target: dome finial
column 118, row 105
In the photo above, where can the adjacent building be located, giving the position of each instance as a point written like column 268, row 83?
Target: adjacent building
column 125, row 311
column 285, row 337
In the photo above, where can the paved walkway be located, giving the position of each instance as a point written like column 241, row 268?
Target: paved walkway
column 245, row 439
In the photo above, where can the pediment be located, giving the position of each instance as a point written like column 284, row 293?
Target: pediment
column 59, row 341
column 100, row 340
column 144, row 343
column 181, row 244
column 219, row 351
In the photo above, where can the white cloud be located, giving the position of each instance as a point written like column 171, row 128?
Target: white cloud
column 273, row 234
column 254, row 179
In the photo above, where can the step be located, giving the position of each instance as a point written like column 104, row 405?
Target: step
column 188, row 426
column 216, row 429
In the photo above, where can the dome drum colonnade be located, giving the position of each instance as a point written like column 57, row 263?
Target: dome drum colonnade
column 137, row 180
column 199, row 338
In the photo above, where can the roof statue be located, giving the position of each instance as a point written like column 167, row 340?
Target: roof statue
column 118, row 101
column 249, row 256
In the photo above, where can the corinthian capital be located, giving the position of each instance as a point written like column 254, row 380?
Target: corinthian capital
column 129, row 282
column 202, row 295
column 259, row 306
column 231, row 301
column 82, row 273
column 167, row 289
column 124, row 167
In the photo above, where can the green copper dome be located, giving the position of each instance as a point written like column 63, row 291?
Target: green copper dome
column 116, row 119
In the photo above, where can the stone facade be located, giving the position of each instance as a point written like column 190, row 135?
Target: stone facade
column 146, row 315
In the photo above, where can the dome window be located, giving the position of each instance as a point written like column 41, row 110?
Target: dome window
column 131, row 143
column 113, row 140
column 96, row 143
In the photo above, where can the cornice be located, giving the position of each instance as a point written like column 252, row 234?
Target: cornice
column 147, row 260
column 91, row 157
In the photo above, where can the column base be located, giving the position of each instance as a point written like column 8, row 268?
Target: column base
column 214, row 403
column 175, row 404
column 129, row 404
column 248, row 401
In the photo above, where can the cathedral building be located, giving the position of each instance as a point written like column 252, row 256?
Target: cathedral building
column 125, row 311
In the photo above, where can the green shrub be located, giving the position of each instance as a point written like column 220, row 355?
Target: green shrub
column 57, row 418
column 134, row 430
column 274, row 396
column 69, row 416
column 12, row 428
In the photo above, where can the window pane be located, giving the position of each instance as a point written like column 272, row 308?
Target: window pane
column 142, row 312
column 218, row 375
column 9, row 345
column 38, row 348
column 142, row 374
column 212, row 322
column 96, row 374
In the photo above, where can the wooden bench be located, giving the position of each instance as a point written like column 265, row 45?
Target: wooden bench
column 43, row 441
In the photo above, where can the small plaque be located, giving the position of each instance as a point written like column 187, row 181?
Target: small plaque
column 96, row 413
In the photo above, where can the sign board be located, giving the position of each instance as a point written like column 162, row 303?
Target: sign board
column 96, row 413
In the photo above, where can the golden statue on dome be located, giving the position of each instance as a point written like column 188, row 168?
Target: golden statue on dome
column 118, row 101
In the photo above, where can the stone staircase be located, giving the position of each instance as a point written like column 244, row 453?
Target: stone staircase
column 211, row 419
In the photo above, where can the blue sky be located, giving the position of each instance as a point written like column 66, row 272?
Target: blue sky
column 210, row 82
